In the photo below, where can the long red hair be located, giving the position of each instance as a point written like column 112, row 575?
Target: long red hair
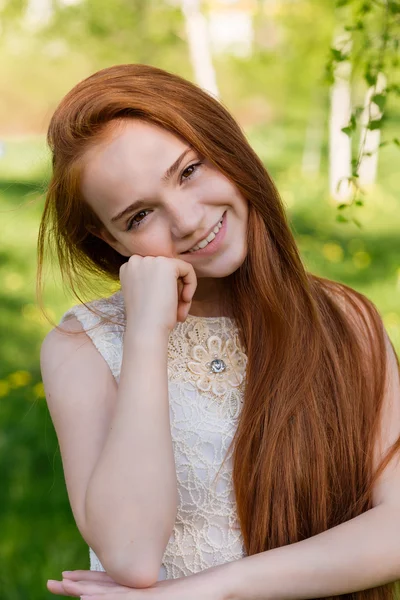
column 304, row 445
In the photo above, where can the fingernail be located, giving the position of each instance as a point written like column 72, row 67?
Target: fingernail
column 65, row 572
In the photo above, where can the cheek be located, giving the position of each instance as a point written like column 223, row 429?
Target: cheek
column 221, row 188
column 150, row 246
column 225, row 190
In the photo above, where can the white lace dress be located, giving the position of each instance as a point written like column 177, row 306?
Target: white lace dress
column 206, row 378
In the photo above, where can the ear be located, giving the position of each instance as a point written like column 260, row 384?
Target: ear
column 109, row 239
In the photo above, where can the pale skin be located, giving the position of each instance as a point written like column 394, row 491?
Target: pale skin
column 359, row 554
column 177, row 213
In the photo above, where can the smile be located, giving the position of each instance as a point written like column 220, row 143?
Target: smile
column 212, row 242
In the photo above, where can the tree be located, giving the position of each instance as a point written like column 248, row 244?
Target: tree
column 199, row 46
column 374, row 55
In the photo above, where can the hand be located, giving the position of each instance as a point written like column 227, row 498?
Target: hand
column 96, row 585
column 157, row 290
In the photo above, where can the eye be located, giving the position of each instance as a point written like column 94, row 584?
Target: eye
column 132, row 224
column 191, row 169
column 194, row 167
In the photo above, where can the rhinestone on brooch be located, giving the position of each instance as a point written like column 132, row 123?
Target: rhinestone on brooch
column 217, row 365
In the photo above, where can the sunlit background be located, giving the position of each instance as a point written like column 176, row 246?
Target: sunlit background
column 294, row 73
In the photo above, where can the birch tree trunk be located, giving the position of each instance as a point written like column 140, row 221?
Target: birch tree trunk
column 311, row 161
column 339, row 142
column 231, row 27
column 368, row 168
column 38, row 13
column 199, row 46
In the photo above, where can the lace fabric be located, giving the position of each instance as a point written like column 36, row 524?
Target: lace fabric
column 206, row 378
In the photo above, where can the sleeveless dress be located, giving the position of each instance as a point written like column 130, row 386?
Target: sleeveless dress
column 206, row 378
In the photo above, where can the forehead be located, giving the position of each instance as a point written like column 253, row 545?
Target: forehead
column 131, row 151
column 139, row 138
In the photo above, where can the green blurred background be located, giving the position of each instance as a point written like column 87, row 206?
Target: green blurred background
column 276, row 88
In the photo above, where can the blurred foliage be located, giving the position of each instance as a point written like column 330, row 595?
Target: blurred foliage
column 274, row 93
column 89, row 35
column 78, row 39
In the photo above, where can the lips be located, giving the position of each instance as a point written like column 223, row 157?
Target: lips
column 204, row 236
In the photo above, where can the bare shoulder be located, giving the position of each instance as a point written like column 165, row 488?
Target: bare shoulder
column 62, row 340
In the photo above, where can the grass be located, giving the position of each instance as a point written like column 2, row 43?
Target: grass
column 39, row 537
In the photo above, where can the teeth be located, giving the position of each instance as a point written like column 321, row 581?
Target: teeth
column 208, row 239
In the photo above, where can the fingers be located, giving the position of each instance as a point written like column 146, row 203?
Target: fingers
column 189, row 278
column 112, row 596
column 78, row 588
column 56, row 587
column 80, row 575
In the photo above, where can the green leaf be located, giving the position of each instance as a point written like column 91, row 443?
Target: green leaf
column 341, row 219
column 370, row 79
column 340, row 3
column 359, row 203
column 394, row 88
column 396, row 141
column 329, row 73
column 394, row 7
column 338, row 55
column 365, row 8
column 342, row 206
column 359, row 26
column 357, row 223
column 370, row 75
column 383, row 144
column 379, row 100
column 347, row 130
column 376, row 124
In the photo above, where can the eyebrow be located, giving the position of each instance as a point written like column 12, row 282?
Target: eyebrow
column 166, row 177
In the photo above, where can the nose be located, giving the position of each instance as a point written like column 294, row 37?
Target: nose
column 185, row 222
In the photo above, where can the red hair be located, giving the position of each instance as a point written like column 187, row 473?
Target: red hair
column 304, row 445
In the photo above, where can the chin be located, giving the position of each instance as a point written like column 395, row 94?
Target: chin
column 222, row 266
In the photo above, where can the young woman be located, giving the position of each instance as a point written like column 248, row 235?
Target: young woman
column 228, row 422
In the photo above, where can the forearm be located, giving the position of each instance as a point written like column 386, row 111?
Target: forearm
column 131, row 500
column 360, row 554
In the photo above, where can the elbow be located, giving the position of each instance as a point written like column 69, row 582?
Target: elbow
column 133, row 578
column 136, row 578
column 132, row 571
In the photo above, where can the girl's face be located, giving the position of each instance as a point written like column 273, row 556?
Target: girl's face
column 149, row 211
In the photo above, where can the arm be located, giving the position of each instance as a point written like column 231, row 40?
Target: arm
column 131, row 500
column 359, row 554
column 125, row 514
